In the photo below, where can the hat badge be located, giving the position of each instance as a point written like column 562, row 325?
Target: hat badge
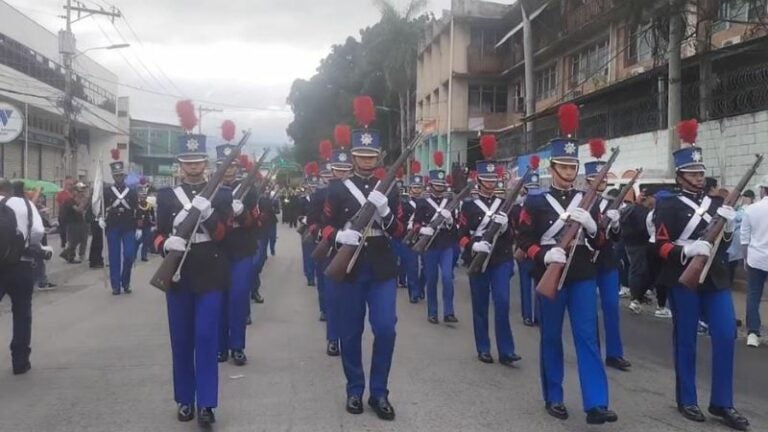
column 342, row 157
column 696, row 156
column 490, row 168
column 366, row 139
column 227, row 151
column 441, row 175
column 534, row 178
column 570, row 148
column 192, row 144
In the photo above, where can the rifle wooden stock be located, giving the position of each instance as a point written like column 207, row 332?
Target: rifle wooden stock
column 425, row 241
column 480, row 260
column 163, row 277
column 321, row 250
column 337, row 268
column 698, row 267
column 555, row 272
column 409, row 237
column 250, row 179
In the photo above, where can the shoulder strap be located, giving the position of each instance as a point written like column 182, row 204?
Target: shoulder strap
column 355, row 191
column 699, row 213
column 549, row 236
column 489, row 212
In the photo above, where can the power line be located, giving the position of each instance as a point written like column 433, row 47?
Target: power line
column 130, row 65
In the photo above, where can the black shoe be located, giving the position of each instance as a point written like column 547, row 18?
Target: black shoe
column 384, row 410
column 145, row 259
column 205, row 417
column 557, row 410
column 96, row 265
column 22, row 368
column 692, row 412
column 509, row 360
column 485, row 357
column 258, row 298
column 333, row 349
column 354, row 405
column 322, row 317
column 248, row 320
column 127, row 290
column 222, row 356
column 450, row 319
column 618, row 363
column 413, row 300
column 185, row 413
column 115, row 292
column 76, row 261
column 311, row 283
column 601, row 415
column 528, row 322
column 433, row 320
column 731, row 417
column 239, row 358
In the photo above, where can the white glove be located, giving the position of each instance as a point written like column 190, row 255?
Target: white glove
column 175, row 243
column 102, row 223
column 585, row 220
column 697, row 248
column 447, row 216
column 614, row 216
column 303, row 220
column 348, row 237
column 237, row 207
column 481, row 246
column 381, row 202
column 555, row 255
column 138, row 234
column 204, row 205
column 729, row 214
column 427, row 231
column 502, row 220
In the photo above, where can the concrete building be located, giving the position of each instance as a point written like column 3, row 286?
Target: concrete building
column 32, row 81
column 154, row 149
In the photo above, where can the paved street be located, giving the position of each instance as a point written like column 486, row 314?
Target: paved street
column 102, row 363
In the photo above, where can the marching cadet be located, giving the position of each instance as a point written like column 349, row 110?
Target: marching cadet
column 476, row 215
column 196, row 300
column 372, row 282
column 265, row 210
column 327, row 174
column 120, row 204
column 414, row 263
column 607, row 265
column 397, row 243
column 528, row 305
column 543, row 217
column 240, row 246
column 680, row 222
column 307, row 242
column 146, row 221
column 439, row 257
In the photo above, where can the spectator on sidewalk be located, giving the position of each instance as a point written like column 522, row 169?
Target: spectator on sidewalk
column 41, row 277
column 754, row 239
column 735, row 252
column 73, row 214
column 64, row 195
column 634, row 235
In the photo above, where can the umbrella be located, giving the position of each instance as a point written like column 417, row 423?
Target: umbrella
column 47, row 187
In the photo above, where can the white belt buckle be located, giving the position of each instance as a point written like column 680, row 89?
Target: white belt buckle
column 188, row 207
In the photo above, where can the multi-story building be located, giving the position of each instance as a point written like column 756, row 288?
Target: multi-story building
column 32, row 82
column 153, row 150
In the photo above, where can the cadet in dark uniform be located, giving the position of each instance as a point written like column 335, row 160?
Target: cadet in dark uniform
column 439, row 257
column 540, row 223
column 414, row 263
column 476, row 215
column 196, row 300
column 120, row 204
column 265, row 209
column 528, row 305
column 680, row 222
column 371, row 286
column 310, row 181
column 146, row 221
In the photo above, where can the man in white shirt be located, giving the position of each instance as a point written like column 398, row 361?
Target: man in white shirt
column 754, row 240
column 17, row 280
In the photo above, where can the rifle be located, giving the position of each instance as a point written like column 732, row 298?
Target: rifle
column 164, row 275
column 250, row 179
column 344, row 260
column 481, row 259
column 424, row 241
column 602, row 225
column 554, row 276
column 698, row 268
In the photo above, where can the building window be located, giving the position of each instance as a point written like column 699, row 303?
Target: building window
column 640, row 44
column 592, row 62
column 484, row 41
column 546, row 83
column 731, row 10
column 487, row 99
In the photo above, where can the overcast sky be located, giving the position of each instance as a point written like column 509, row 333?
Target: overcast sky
column 240, row 52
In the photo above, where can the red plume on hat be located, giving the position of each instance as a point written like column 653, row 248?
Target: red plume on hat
column 438, row 159
column 535, row 161
column 473, row 175
column 449, row 179
column 500, row 170
column 326, row 149
column 311, row 169
column 244, row 160
column 228, row 130
column 115, row 153
column 415, row 167
column 488, row 146
column 342, row 135
column 186, row 111
column 400, row 172
column 597, row 147
column 380, row 173
column 568, row 114
column 364, row 111
column 688, row 130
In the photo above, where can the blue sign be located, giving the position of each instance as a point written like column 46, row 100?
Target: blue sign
column 11, row 123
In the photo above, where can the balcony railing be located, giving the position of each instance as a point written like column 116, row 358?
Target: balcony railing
column 483, row 63
column 583, row 14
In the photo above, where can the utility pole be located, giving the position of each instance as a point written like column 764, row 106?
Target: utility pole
column 530, row 96
column 68, row 50
column 674, row 86
column 204, row 110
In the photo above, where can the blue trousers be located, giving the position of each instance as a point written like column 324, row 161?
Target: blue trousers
column 402, row 271
column 608, row 285
column 145, row 242
column 414, row 270
column 439, row 260
column 331, row 311
column 309, row 263
column 494, row 282
column 272, row 237
column 322, row 285
column 755, row 285
column 258, row 264
column 580, row 298
column 236, row 307
column 194, row 327
column 121, row 244
column 528, row 303
column 351, row 298
column 686, row 306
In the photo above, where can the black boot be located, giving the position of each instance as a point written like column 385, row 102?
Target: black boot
column 485, row 357
column 450, row 319
column 239, row 358
column 185, row 413
column 222, row 357
column 384, row 410
column 732, row 418
column 601, row 415
column 557, row 410
column 692, row 412
column 205, row 417
column 618, row 363
column 333, row 349
column 354, row 405
column 509, row 360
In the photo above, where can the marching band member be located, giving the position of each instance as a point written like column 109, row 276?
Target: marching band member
column 120, row 203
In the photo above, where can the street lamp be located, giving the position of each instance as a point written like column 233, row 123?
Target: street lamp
column 109, row 47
